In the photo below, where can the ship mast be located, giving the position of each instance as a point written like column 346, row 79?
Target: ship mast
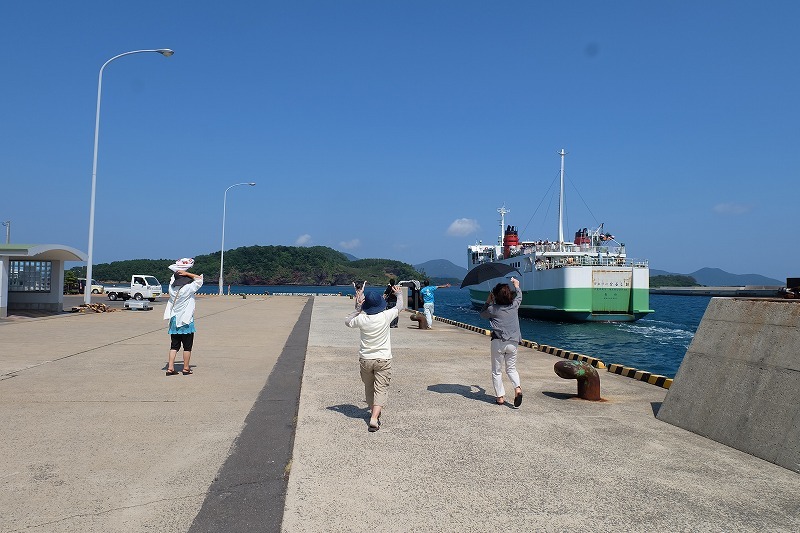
column 561, row 201
column 503, row 211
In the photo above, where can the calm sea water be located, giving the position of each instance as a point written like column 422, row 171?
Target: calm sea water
column 656, row 343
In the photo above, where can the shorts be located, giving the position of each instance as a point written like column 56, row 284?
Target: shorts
column 187, row 339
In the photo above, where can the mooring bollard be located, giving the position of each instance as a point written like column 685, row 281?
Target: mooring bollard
column 422, row 322
column 587, row 376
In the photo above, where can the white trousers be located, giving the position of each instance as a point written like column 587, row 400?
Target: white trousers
column 428, row 308
column 504, row 353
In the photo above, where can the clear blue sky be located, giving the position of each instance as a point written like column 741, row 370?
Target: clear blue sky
column 396, row 129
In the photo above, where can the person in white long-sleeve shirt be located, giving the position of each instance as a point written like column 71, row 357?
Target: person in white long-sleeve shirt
column 375, row 352
column 180, row 312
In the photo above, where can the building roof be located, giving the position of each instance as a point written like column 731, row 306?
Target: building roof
column 42, row 252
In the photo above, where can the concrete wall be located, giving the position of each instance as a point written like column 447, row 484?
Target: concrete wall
column 52, row 301
column 4, row 264
column 739, row 383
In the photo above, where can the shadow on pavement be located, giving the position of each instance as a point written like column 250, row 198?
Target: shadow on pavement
column 560, row 395
column 471, row 392
column 350, row 410
column 656, row 406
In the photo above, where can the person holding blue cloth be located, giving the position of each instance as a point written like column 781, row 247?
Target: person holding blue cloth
column 180, row 312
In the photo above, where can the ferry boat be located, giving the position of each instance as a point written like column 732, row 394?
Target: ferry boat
column 590, row 279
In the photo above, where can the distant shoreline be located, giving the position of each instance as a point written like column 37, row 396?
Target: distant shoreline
column 760, row 291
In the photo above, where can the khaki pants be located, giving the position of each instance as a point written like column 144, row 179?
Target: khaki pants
column 376, row 374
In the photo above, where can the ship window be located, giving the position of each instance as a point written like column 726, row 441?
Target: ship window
column 29, row 276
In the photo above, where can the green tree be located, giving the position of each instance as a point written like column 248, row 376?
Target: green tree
column 70, row 282
column 269, row 265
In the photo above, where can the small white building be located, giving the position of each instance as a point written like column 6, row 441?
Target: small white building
column 32, row 276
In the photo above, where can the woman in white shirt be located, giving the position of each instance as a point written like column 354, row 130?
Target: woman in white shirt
column 180, row 312
column 375, row 353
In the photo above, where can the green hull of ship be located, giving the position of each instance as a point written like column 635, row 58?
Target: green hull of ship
column 580, row 304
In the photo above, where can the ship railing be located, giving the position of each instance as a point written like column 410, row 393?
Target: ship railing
column 541, row 247
column 593, row 260
column 547, row 263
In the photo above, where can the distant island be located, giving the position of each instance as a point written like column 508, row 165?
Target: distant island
column 320, row 265
column 705, row 277
column 268, row 265
column 715, row 277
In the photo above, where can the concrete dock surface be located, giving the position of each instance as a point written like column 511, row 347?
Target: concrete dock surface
column 97, row 438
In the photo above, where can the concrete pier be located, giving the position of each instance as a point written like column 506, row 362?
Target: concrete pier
column 739, row 382
column 757, row 291
column 97, row 438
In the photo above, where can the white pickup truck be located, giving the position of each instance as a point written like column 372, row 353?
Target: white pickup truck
column 142, row 287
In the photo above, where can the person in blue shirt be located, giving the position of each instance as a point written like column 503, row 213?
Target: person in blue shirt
column 427, row 291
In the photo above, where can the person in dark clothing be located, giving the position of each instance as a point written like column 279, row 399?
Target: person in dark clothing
column 391, row 300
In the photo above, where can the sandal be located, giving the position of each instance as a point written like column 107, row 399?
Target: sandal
column 172, row 372
column 374, row 426
column 518, row 399
column 186, row 372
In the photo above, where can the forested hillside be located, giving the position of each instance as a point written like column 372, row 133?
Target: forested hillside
column 673, row 280
column 267, row 265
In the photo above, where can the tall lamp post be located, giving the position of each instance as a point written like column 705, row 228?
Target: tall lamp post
column 87, row 295
column 222, row 248
column 7, row 224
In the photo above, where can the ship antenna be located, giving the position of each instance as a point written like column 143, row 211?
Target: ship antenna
column 561, row 201
column 503, row 211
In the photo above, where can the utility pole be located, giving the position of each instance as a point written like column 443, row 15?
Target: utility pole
column 7, row 224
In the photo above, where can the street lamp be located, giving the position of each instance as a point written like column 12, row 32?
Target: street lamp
column 7, row 224
column 87, row 296
column 222, row 248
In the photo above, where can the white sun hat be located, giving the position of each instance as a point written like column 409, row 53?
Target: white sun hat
column 182, row 264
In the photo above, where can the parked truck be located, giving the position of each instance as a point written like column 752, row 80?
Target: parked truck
column 142, row 287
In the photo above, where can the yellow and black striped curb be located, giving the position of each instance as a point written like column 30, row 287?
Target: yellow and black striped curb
column 641, row 375
column 470, row 327
column 566, row 354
